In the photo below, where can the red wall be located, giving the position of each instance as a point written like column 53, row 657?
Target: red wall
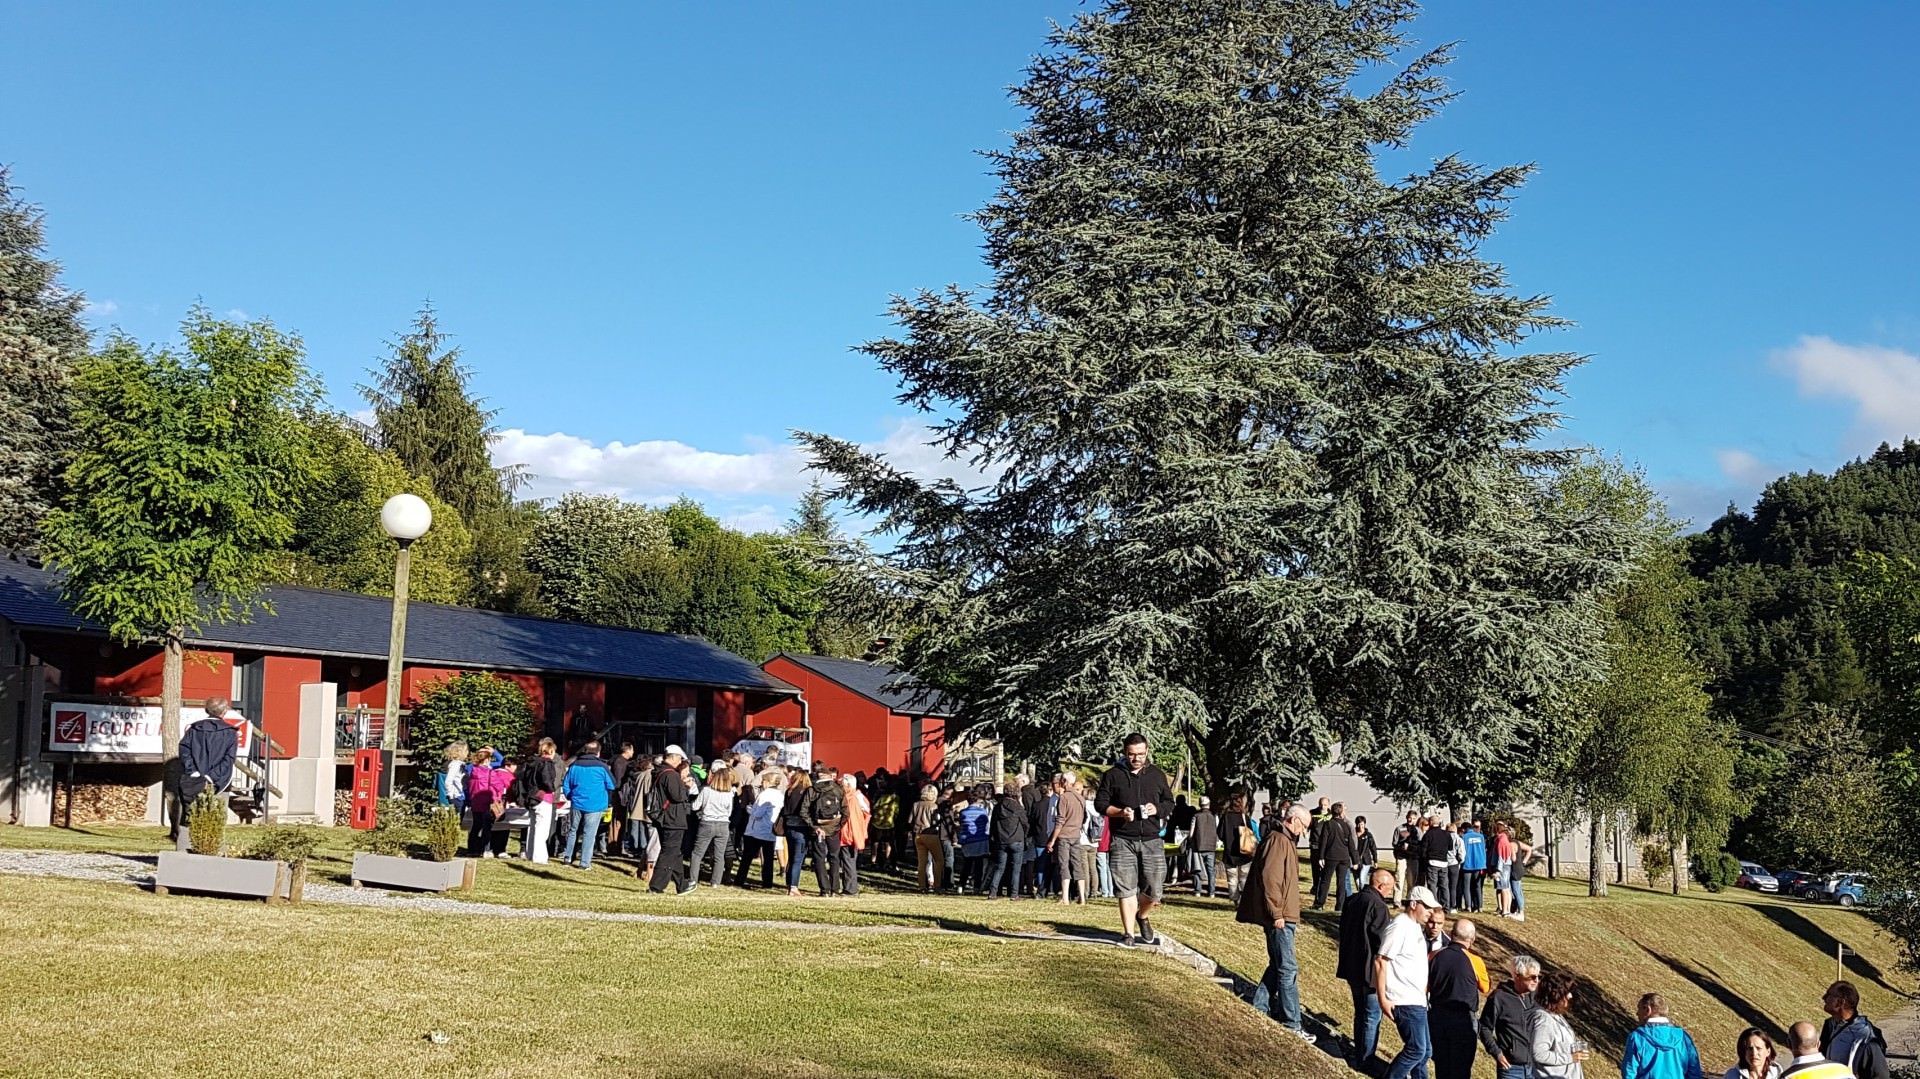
column 131, row 674
column 850, row 732
column 280, row 699
column 729, row 720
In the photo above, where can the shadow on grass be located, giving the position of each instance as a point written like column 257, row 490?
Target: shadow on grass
column 1708, row 983
column 1801, row 926
column 1596, row 1013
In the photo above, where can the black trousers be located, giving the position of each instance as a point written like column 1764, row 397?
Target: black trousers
column 671, row 866
column 761, row 847
column 826, row 860
column 1339, row 877
column 1454, row 1039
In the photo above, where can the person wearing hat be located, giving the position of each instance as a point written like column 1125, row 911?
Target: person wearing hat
column 670, row 868
column 1204, row 842
column 1400, row 981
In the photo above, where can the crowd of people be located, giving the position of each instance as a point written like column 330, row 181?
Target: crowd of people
column 1414, row 970
column 675, row 819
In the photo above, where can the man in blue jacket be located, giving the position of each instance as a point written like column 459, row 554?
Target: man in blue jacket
column 1657, row 1049
column 1473, row 865
column 588, row 789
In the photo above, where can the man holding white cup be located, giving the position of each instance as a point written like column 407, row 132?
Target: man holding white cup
column 1135, row 795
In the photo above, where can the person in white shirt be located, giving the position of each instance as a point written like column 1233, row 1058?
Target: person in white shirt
column 1400, row 981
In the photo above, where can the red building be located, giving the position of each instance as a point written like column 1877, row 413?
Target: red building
column 325, row 651
column 865, row 716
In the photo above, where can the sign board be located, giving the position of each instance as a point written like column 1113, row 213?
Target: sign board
column 124, row 728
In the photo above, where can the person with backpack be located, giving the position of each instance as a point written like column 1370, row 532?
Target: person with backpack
column 638, row 831
column 667, row 808
column 825, row 811
column 486, row 797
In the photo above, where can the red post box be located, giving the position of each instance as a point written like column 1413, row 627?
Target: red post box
column 366, row 788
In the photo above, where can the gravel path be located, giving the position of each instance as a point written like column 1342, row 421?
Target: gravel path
column 138, row 870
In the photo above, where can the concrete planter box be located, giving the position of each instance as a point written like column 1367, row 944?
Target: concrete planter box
column 271, row 881
column 419, row 874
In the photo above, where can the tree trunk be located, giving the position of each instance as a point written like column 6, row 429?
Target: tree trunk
column 1677, row 854
column 170, row 679
column 1596, row 871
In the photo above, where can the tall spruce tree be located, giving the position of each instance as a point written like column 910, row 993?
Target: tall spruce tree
column 424, row 414
column 41, row 339
column 1265, row 446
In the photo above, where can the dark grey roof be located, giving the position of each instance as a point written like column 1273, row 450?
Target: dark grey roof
column 880, row 683
column 316, row 621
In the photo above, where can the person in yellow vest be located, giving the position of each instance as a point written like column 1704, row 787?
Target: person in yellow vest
column 1808, row 1061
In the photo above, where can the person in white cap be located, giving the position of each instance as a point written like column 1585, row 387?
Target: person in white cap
column 670, row 792
column 1400, row 980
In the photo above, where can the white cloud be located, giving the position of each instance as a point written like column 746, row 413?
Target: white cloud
column 238, row 315
column 101, row 308
column 756, row 519
column 1882, row 383
column 1745, row 468
column 658, row 471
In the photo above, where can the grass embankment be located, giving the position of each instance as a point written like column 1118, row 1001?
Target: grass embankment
column 108, row 980
column 1723, row 961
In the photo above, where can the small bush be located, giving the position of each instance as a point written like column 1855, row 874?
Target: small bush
column 207, row 822
column 393, row 830
column 1656, row 860
column 444, row 834
column 1716, row 871
column 289, row 843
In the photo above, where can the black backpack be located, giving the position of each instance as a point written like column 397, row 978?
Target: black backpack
column 656, row 802
column 830, row 803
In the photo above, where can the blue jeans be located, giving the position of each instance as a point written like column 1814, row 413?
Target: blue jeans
column 1105, row 868
column 1411, row 1022
column 796, row 855
column 1279, row 992
column 1518, row 1071
column 1366, row 1023
column 1006, row 861
column 581, row 823
column 1203, row 873
column 1519, row 896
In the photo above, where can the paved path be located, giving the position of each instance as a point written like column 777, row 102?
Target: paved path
column 138, row 870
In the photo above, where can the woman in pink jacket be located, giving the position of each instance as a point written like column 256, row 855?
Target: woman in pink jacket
column 486, row 796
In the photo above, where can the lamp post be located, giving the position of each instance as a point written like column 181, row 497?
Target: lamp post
column 406, row 518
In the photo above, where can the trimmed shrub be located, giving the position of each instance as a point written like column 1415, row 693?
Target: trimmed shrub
column 289, row 843
column 1717, row 871
column 474, row 707
column 207, row 822
column 444, row 834
column 1656, row 861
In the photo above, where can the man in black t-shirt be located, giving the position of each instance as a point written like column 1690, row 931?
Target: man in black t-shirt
column 1136, row 796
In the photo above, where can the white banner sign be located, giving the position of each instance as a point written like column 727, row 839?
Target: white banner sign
column 122, row 728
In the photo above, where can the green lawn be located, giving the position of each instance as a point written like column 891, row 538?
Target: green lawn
column 1723, row 961
column 120, row 982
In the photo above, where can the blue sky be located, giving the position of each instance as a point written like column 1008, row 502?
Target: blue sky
column 658, row 229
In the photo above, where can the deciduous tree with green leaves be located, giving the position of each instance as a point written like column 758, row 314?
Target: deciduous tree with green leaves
column 579, row 540
column 338, row 541
column 188, row 470
column 1265, row 448
column 41, row 339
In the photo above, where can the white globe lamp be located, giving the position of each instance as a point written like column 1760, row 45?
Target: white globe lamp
column 406, row 517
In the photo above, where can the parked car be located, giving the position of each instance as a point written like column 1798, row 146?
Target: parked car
column 1846, row 889
column 1753, row 875
column 1792, row 880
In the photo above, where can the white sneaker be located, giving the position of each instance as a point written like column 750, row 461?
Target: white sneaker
column 1519, row 916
